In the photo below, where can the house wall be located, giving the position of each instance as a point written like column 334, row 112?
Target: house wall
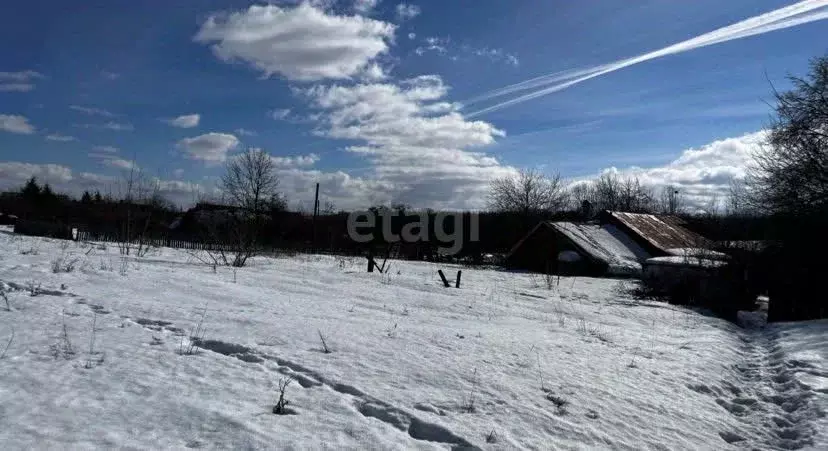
column 539, row 253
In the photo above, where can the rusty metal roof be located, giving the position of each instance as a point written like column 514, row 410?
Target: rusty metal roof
column 662, row 231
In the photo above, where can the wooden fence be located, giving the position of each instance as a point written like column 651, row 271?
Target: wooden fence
column 84, row 235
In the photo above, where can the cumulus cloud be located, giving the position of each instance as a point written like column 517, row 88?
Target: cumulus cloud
column 303, row 42
column 365, row 6
column 185, row 121
column 296, row 161
column 14, row 123
column 344, row 190
column 211, row 148
column 419, row 145
column 92, row 111
column 22, row 81
column 407, row 11
column 60, row 138
column 702, row 173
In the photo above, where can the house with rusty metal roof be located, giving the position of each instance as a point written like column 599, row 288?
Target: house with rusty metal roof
column 617, row 244
column 660, row 235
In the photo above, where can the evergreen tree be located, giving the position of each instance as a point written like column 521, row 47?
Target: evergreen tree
column 31, row 190
column 46, row 193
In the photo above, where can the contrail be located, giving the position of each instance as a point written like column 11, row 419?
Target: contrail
column 789, row 16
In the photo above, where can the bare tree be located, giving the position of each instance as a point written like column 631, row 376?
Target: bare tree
column 610, row 192
column 635, row 197
column 528, row 192
column 250, row 183
column 736, row 202
column 250, row 180
column 790, row 172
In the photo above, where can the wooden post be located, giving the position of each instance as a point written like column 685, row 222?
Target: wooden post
column 371, row 262
column 459, row 273
column 443, row 276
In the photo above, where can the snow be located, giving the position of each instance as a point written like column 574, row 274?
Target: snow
column 674, row 260
column 413, row 365
column 696, row 252
column 607, row 244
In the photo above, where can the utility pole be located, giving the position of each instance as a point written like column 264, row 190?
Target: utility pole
column 315, row 214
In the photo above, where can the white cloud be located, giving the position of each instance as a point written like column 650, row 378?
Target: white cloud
column 365, row 6
column 106, row 149
column 433, row 44
column 339, row 187
column 185, row 121
column 304, row 42
column 14, row 123
column 705, row 172
column 22, row 81
column 60, row 138
column 496, row 55
column 16, row 87
column 92, row 111
column 23, row 76
column 113, row 161
column 296, row 161
column 374, row 73
column 412, row 36
column 245, row 132
column 111, row 125
column 118, row 127
column 407, row 11
column 418, row 143
column 445, row 47
column 280, row 114
column 211, row 148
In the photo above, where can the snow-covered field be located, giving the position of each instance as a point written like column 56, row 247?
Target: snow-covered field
column 501, row 363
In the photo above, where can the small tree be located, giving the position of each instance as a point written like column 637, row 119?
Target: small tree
column 250, row 182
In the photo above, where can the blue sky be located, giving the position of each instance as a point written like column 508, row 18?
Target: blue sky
column 376, row 99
